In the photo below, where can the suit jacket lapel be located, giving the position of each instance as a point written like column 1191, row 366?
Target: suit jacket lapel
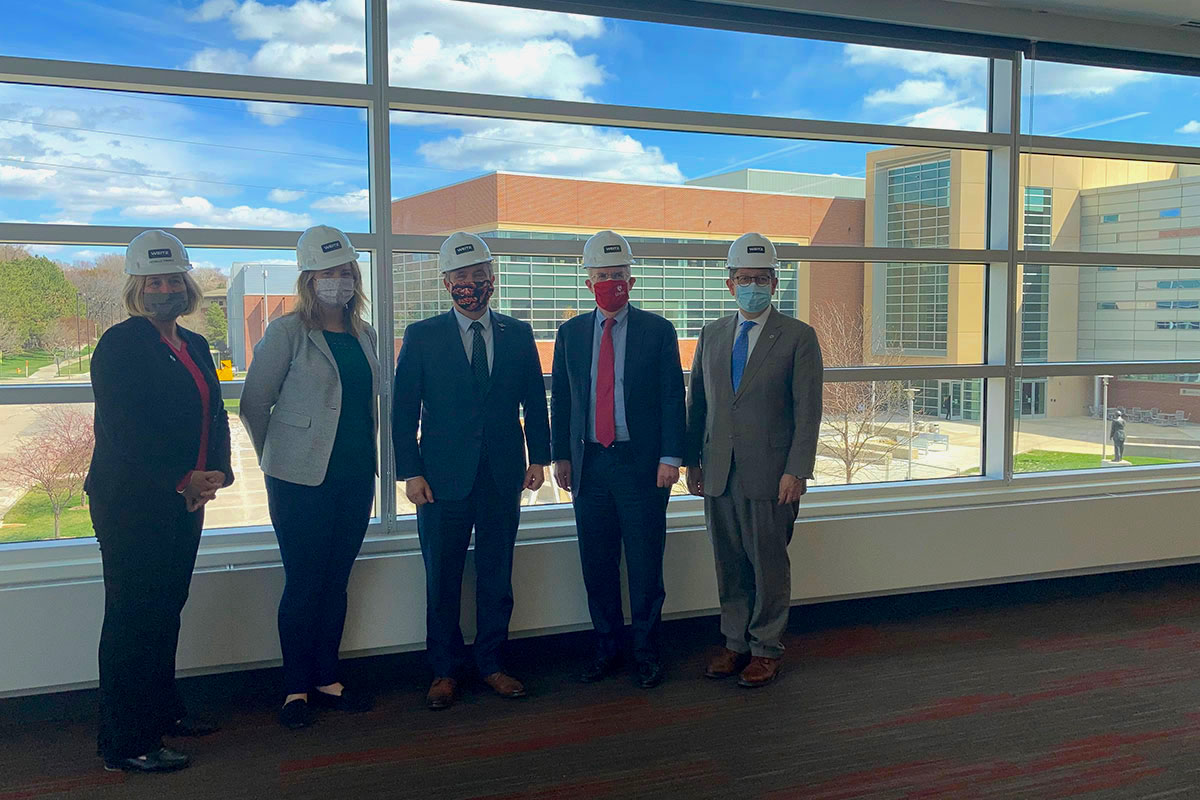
column 499, row 349
column 766, row 340
column 633, row 339
column 318, row 338
column 722, row 353
column 580, row 356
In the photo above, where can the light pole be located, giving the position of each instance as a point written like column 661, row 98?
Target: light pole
column 912, row 394
column 1104, row 418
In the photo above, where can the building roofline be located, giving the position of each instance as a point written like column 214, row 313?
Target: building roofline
column 612, row 181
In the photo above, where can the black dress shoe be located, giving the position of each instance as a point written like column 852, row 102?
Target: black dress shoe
column 164, row 759
column 296, row 715
column 649, row 674
column 600, row 668
column 193, row 726
column 349, row 701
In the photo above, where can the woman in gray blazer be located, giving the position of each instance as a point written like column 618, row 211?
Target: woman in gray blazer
column 310, row 405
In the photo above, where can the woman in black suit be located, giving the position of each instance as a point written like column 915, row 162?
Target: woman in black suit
column 162, row 452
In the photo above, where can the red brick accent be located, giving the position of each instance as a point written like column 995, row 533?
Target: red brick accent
column 1178, row 233
column 1150, row 394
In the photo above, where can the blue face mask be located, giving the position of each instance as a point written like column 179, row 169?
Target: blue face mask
column 753, row 298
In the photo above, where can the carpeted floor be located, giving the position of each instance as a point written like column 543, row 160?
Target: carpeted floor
column 1083, row 688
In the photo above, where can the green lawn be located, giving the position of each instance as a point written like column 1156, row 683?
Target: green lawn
column 31, row 518
column 232, row 406
column 80, row 367
column 1052, row 460
column 13, row 365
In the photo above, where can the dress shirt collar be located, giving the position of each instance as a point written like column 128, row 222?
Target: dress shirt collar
column 464, row 322
column 620, row 317
column 760, row 320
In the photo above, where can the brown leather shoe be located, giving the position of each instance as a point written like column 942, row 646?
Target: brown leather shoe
column 505, row 685
column 760, row 672
column 442, row 694
column 726, row 664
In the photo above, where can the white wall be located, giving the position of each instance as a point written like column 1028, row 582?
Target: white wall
column 50, row 632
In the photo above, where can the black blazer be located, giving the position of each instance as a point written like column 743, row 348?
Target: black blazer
column 435, row 387
column 147, row 415
column 654, row 393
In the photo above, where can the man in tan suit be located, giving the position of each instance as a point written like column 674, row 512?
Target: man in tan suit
column 754, row 413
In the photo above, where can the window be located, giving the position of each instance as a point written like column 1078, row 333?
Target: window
column 1170, row 212
column 1106, row 218
column 1193, row 325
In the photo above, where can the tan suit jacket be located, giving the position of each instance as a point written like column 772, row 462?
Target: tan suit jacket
column 770, row 425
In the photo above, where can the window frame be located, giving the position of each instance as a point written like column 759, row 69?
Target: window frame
column 1001, row 367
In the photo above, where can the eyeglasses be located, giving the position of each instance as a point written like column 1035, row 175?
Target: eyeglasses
column 757, row 280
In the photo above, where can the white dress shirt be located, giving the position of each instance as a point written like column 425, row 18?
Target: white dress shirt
column 468, row 336
column 755, row 332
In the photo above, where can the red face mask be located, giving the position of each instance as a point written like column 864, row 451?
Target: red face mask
column 611, row 295
column 471, row 296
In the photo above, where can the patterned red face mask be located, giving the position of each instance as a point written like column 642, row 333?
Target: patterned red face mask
column 472, row 296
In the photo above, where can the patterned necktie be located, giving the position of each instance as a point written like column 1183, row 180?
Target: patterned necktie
column 606, row 420
column 741, row 352
column 479, row 364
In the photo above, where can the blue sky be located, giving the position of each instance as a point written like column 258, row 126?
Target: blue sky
column 110, row 158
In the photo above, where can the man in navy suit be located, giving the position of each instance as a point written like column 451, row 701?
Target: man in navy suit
column 617, row 416
column 465, row 376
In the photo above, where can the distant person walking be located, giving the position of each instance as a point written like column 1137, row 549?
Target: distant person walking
column 1117, row 434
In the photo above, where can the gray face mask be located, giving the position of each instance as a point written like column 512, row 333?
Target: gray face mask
column 335, row 292
column 165, row 305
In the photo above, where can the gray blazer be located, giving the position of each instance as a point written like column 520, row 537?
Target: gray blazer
column 291, row 400
column 770, row 426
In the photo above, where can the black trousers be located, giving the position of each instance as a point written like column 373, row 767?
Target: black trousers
column 612, row 509
column 148, row 548
column 444, row 527
column 320, row 531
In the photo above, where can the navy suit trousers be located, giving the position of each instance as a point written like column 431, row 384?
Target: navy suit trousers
column 444, row 527
column 615, row 507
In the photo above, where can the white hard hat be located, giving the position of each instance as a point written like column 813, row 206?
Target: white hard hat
column 321, row 247
column 156, row 253
column 607, row 249
column 463, row 250
column 753, row 251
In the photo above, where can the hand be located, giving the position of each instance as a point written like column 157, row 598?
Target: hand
column 791, row 489
column 562, row 475
column 418, row 491
column 668, row 475
column 695, row 481
column 202, row 486
column 535, row 476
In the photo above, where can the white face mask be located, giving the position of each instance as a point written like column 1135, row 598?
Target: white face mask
column 334, row 292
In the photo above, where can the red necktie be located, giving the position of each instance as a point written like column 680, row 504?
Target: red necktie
column 606, row 425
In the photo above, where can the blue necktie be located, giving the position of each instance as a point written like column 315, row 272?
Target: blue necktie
column 741, row 352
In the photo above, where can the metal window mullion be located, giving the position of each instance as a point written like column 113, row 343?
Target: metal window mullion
column 119, row 236
column 380, row 176
column 438, row 101
column 1118, row 368
column 179, row 82
column 1011, row 319
column 1057, row 259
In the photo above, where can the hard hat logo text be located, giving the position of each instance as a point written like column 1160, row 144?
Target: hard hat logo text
column 464, row 248
column 329, row 247
column 756, row 248
column 163, row 252
column 612, row 248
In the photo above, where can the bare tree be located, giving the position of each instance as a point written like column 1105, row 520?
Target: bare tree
column 101, row 287
column 11, row 339
column 55, row 460
column 209, row 278
column 11, row 252
column 857, row 417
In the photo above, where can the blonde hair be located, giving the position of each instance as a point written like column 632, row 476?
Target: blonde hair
column 308, row 307
column 135, row 304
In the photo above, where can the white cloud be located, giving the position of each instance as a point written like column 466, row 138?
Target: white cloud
column 950, row 117
column 567, row 150
column 274, row 114
column 194, row 211
column 434, row 44
column 358, row 202
column 1049, row 78
column 916, row 62
column 1191, row 127
column 910, row 93
column 284, row 195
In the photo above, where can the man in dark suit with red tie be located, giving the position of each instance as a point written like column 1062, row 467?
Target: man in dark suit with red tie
column 617, row 439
